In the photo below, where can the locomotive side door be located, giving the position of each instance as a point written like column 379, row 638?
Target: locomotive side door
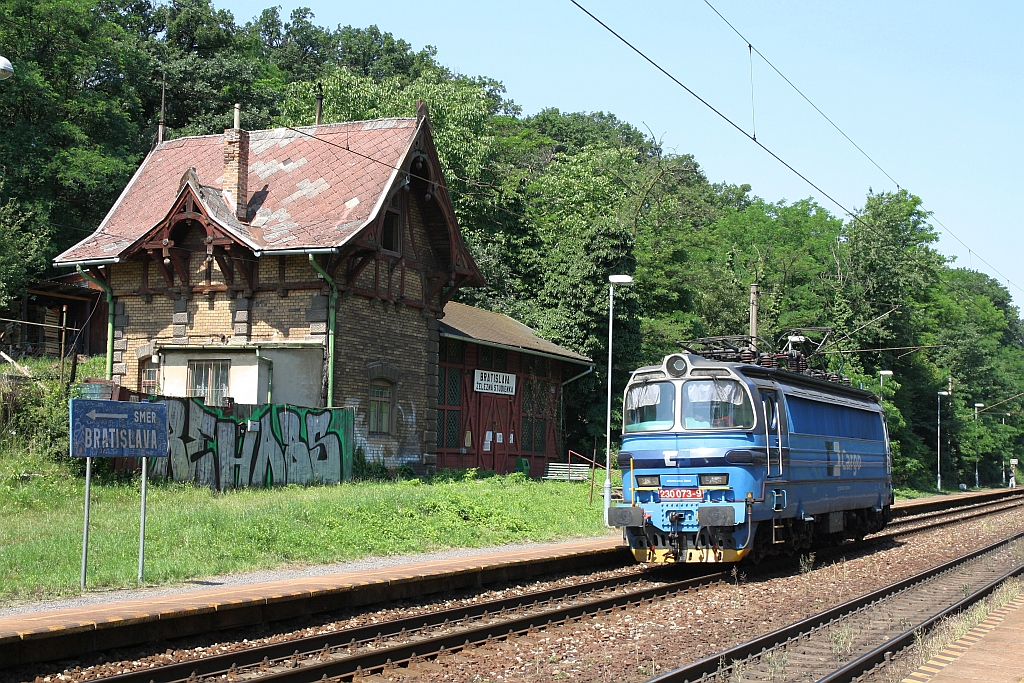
column 772, row 419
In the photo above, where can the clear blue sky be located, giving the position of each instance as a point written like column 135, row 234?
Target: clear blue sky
column 931, row 90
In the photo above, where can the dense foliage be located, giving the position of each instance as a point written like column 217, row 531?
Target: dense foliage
column 550, row 204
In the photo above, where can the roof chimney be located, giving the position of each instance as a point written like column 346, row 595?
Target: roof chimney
column 236, row 167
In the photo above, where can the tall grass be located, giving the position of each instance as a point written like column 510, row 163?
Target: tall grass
column 193, row 531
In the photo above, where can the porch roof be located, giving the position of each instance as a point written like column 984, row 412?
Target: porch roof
column 477, row 325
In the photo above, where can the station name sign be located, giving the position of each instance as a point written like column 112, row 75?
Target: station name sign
column 494, row 382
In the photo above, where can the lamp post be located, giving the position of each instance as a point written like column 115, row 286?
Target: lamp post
column 977, row 454
column 882, row 374
column 612, row 281
column 938, row 440
column 6, row 69
column 1002, row 459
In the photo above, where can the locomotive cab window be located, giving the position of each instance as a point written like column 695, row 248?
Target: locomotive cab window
column 771, row 413
column 650, row 407
column 716, row 404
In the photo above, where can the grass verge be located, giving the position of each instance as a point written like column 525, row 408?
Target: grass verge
column 193, row 531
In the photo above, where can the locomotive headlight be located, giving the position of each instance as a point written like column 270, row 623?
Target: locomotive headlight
column 713, row 479
column 648, row 481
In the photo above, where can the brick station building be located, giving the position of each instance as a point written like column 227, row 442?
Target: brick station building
column 226, row 254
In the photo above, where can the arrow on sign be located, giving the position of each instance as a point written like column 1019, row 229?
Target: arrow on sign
column 110, row 416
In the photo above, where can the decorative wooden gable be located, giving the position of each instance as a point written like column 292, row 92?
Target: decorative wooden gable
column 162, row 245
column 420, row 180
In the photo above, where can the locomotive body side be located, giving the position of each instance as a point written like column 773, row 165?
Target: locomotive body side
column 722, row 461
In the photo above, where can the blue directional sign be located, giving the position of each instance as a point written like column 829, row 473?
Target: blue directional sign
column 109, row 429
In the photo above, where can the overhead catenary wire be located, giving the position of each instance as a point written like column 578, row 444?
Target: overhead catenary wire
column 751, row 48
column 722, row 116
column 853, row 216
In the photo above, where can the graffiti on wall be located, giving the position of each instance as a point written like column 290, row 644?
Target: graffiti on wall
column 273, row 445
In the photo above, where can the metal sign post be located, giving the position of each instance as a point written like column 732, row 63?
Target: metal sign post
column 111, row 429
column 85, row 526
column 142, row 519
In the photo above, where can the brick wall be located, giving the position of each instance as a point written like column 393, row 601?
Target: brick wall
column 211, row 318
column 371, row 334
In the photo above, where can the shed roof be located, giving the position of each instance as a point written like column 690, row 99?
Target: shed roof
column 475, row 324
column 308, row 187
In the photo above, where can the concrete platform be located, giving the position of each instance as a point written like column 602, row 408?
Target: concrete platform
column 66, row 633
column 991, row 653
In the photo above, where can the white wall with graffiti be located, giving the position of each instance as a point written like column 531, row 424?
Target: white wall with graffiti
column 265, row 445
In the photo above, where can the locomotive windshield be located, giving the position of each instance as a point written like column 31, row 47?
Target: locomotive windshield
column 650, row 407
column 716, row 404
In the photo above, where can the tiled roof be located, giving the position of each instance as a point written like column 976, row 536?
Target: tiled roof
column 476, row 324
column 308, row 189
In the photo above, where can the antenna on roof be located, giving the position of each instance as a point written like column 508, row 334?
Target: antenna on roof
column 319, row 102
column 163, row 93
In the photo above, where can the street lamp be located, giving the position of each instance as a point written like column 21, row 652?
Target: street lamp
column 6, row 69
column 612, row 281
column 938, row 440
column 977, row 450
column 882, row 374
column 1002, row 459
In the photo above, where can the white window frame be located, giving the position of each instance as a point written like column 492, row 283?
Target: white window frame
column 216, row 384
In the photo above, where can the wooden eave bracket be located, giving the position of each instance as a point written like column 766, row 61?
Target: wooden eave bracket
column 460, row 281
column 98, row 274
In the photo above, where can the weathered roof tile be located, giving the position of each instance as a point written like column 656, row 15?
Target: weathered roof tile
column 476, row 324
column 302, row 183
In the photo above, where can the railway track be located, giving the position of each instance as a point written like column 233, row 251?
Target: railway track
column 932, row 520
column 847, row 641
column 413, row 641
column 352, row 652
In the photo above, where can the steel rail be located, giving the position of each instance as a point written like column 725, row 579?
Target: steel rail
column 710, row 665
column 276, row 652
column 883, row 652
column 1007, row 499
column 974, row 512
column 361, row 663
column 271, row 655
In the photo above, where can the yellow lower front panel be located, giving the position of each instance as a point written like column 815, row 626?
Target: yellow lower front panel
column 704, row 555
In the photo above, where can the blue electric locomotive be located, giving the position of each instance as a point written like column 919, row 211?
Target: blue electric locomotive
column 727, row 460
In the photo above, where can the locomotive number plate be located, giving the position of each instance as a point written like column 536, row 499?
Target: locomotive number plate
column 680, row 494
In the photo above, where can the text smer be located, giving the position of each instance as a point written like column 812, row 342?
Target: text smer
column 145, row 417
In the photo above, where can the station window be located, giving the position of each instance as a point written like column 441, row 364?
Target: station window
column 208, row 380
column 149, row 377
column 492, row 358
column 452, row 351
column 381, row 395
column 538, row 407
column 449, row 410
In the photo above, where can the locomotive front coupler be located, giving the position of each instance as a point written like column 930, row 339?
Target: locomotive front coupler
column 674, row 537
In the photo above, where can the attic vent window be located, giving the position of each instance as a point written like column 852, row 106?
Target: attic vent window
column 391, row 228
